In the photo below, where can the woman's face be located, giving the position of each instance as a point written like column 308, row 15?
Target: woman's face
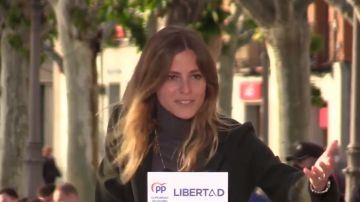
column 183, row 91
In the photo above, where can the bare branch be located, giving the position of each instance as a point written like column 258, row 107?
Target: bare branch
column 343, row 7
column 262, row 11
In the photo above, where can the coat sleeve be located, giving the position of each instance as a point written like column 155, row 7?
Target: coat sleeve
column 108, row 186
column 280, row 182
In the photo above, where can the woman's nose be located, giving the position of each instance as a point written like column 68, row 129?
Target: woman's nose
column 185, row 86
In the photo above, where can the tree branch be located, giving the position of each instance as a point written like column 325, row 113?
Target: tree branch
column 245, row 37
column 343, row 7
column 51, row 52
column 356, row 6
column 244, row 34
column 262, row 11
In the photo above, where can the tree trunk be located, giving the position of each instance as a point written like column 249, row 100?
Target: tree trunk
column 226, row 74
column 288, row 49
column 14, row 110
column 241, row 37
column 288, row 43
column 79, row 64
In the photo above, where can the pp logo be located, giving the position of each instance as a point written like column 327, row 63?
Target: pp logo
column 158, row 187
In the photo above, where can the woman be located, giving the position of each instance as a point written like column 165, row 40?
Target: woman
column 169, row 121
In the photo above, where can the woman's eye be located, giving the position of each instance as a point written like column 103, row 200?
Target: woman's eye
column 172, row 77
column 197, row 76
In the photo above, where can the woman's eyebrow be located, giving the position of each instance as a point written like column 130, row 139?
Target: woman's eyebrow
column 177, row 72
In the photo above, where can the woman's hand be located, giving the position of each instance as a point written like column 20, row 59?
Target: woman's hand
column 324, row 166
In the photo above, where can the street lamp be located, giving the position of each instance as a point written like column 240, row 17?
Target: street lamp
column 34, row 159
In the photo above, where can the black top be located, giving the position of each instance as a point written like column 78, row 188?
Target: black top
column 50, row 171
column 171, row 133
column 248, row 161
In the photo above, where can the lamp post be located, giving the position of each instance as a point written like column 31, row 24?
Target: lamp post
column 34, row 159
column 352, row 170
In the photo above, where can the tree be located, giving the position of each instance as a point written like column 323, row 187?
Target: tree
column 79, row 39
column 239, row 33
column 288, row 45
column 83, row 26
column 14, row 91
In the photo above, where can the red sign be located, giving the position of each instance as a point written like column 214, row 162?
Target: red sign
column 250, row 91
column 323, row 119
column 119, row 32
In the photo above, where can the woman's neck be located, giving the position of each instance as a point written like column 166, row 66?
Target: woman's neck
column 171, row 133
column 170, row 125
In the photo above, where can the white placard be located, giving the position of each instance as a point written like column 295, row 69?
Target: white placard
column 187, row 186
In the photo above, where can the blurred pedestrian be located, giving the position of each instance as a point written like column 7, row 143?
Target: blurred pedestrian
column 305, row 155
column 45, row 193
column 66, row 193
column 50, row 170
column 8, row 195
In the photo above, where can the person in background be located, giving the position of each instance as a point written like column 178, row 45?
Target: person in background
column 8, row 195
column 169, row 121
column 66, row 193
column 305, row 156
column 50, row 170
column 45, row 193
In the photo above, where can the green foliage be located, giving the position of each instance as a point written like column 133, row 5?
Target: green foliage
column 17, row 43
column 49, row 24
column 316, row 98
column 18, row 22
column 4, row 5
column 79, row 17
column 249, row 23
column 15, row 18
column 160, row 5
column 259, row 34
column 211, row 21
column 129, row 14
column 317, row 43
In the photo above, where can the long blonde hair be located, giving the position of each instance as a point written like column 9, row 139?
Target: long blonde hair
column 137, row 120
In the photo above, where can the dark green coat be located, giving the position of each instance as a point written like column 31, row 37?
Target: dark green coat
column 248, row 161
